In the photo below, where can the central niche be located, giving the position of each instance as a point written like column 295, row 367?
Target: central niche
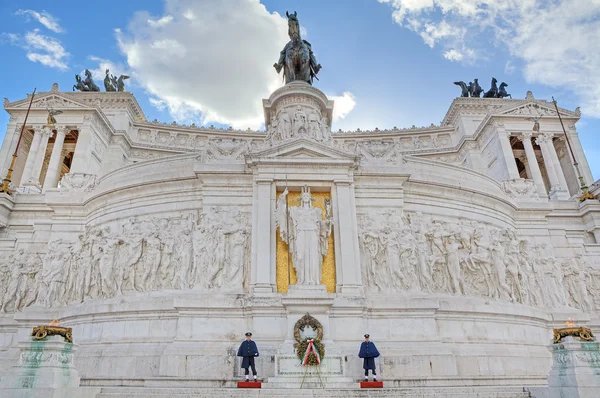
column 328, row 276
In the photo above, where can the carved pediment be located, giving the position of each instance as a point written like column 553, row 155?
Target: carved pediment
column 534, row 109
column 304, row 150
column 47, row 101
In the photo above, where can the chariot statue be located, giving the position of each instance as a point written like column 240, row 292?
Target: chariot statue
column 297, row 59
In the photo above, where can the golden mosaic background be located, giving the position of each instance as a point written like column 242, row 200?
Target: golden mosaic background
column 328, row 273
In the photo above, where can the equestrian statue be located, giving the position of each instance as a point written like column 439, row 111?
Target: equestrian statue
column 297, row 59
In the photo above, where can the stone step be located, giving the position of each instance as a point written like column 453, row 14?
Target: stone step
column 352, row 391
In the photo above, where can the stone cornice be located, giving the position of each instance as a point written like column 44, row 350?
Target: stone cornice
column 495, row 106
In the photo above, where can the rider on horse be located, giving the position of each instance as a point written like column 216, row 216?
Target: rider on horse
column 297, row 59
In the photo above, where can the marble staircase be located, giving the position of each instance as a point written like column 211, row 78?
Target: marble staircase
column 349, row 392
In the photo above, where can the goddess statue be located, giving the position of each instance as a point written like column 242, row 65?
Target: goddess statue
column 306, row 233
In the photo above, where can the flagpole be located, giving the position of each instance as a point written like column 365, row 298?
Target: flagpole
column 584, row 188
column 6, row 182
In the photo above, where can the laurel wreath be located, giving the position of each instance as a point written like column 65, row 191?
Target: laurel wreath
column 312, row 360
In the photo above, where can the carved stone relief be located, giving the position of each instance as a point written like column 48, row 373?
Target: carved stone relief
column 415, row 253
column 521, row 189
column 141, row 255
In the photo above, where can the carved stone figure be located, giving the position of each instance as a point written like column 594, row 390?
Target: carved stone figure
column 493, row 91
column 574, row 277
column 299, row 122
column 304, row 224
column 297, row 59
column 464, row 88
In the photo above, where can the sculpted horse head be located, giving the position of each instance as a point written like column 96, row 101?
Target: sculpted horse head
column 293, row 25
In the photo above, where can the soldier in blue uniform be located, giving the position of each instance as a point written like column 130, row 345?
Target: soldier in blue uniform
column 248, row 351
column 369, row 352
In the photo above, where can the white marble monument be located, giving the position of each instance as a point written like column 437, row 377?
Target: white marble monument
column 458, row 247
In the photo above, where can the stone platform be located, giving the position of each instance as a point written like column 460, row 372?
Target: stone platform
column 354, row 392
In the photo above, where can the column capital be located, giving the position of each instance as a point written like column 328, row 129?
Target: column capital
column 543, row 139
column 503, row 132
column 38, row 128
column 46, row 132
column 63, row 130
column 525, row 136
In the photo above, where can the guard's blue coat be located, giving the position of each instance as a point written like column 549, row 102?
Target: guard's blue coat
column 247, row 350
column 369, row 352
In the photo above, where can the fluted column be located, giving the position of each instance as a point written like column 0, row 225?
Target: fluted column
column 33, row 150
column 39, row 156
column 52, row 173
column 536, row 173
column 509, row 157
column 557, row 166
column 556, row 192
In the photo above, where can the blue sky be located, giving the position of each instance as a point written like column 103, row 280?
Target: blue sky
column 388, row 62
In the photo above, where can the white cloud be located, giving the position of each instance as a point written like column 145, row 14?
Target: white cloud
column 209, row 61
column 162, row 21
column 453, row 55
column 509, row 67
column 44, row 18
column 46, row 50
column 344, row 104
column 556, row 40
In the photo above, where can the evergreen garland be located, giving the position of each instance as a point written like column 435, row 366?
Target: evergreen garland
column 312, row 360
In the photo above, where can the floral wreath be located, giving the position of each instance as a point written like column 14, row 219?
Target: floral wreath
column 303, row 345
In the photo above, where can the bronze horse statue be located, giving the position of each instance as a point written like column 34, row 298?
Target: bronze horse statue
column 297, row 59
column 493, row 91
column 476, row 89
column 464, row 88
column 502, row 91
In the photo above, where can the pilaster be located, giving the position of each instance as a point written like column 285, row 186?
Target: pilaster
column 261, row 237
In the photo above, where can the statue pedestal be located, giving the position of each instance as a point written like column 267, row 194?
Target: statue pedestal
column 45, row 369
column 574, row 370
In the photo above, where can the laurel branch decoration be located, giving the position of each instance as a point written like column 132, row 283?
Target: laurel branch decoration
column 307, row 320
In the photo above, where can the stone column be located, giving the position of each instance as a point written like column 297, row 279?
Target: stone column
column 580, row 156
column 261, row 237
column 53, row 171
column 351, row 277
column 39, row 157
column 83, row 153
column 9, row 144
column 509, row 157
column 33, row 150
column 556, row 192
column 556, row 162
column 536, row 174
